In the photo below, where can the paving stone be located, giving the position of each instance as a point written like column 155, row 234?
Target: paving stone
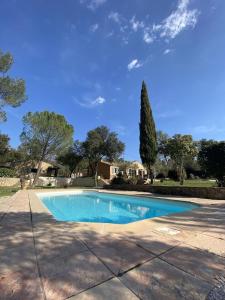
column 216, row 233
column 21, row 258
column 93, row 240
column 154, row 242
column 208, row 243
column 158, row 280
column 69, row 276
column 120, row 256
column 199, row 263
column 19, row 286
column 64, row 245
column 112, row 289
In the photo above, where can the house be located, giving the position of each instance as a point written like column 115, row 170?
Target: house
column 48, row 169
column 108, row 170
column 134, row 169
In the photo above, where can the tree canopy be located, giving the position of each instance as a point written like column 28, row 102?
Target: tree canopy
column 45, row 135
column 72, row 157
column 181, row 147
column 102, row 144
column 148, row 139
column 211, row 158
column 12, row 91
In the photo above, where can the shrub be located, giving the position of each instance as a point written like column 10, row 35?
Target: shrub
column 132, row 180
column 5, row 172
column 173, row 174
column 161, row 175
column 119, row 179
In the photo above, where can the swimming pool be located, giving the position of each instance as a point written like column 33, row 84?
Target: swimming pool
column 108, row 208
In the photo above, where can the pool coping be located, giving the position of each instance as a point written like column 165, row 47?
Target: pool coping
column 38, row 207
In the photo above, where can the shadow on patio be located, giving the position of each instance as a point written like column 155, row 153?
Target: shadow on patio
column 63, row 259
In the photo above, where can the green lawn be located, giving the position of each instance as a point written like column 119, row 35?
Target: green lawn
column 190, row 183
column 7, row 191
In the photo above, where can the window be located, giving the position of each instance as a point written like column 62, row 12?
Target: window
column 115, row 170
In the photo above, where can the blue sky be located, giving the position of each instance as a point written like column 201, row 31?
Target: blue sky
column 86, row 59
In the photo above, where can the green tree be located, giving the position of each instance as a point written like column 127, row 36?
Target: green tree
column 4, row 147
column 46, row 135
column 12, row 91
column 72, row 157
column 211, row 158
column 162, row 141
column 102, row 144
column 148, row 139
column 180, row 147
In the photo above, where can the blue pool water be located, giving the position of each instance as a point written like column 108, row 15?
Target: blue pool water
column 109, row 208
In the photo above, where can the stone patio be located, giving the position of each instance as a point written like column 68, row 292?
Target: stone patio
column 181, row 256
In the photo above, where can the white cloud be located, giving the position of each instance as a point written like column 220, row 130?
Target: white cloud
column 178, row 20
column 99, row 100
column 94, row 27
column 109, row 34
column 134, row 64
column 148, row 38
column 93, row 4
column 115, row 16
column 90, row 103
column 135, row 24
column 167, row 51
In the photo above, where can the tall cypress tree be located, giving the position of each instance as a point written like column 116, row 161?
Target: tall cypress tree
column 148, row 140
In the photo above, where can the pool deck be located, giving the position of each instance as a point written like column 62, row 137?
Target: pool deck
column 181, row 256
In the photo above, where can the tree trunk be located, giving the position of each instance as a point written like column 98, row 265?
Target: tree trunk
column 151, row 175
column 181, row 173
column 96, row 174
column 37, row 174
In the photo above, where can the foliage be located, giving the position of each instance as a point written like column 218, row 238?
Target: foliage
column 12, row 91
column 45, row 135
column 173, row 174
column 188, row 183
column 212, row 159
column 4, row 147
column 102, row 144
column 162, row 142
column 148, row 140
column 180, row 147
column 161, row 168
column 72, row 157
column 6, row 172
column 132, row 180
column 119, row 179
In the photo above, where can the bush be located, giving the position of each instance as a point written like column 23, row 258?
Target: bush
column 161, row 175
column 5, row 172
column 132, row 180
column 173, row 174
column 119, row 179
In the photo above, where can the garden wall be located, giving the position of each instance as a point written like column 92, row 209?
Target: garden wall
column 196, row 192
column 9, row 182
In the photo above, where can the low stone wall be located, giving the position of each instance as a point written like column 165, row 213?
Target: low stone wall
column 9, row 182
column 54, row 181
column 63, row 181
column 83, row 182
column 195, row 192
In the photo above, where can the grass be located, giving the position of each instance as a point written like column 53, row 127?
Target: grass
column 188, row 183
column 7, row 191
